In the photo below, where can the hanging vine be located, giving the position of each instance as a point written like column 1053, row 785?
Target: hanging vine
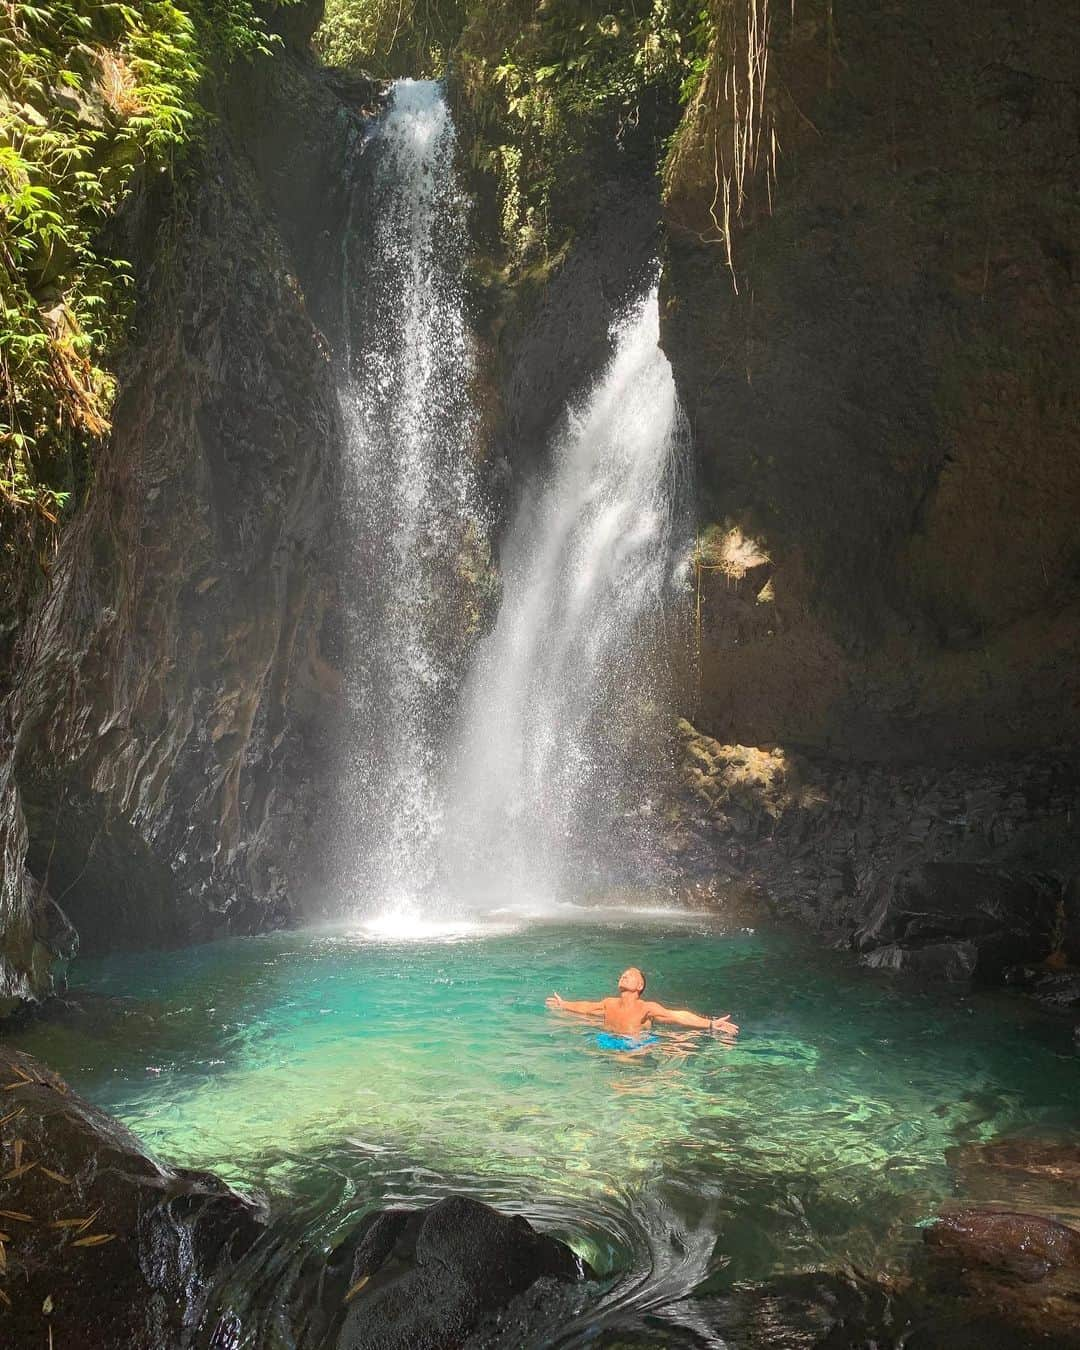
column 727, row 144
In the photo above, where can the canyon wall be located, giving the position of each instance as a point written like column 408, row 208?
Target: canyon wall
column 175, row 693
column 879, row 357
column 887, row 404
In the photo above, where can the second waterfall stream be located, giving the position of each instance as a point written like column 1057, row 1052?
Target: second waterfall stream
column 520, row 782
column 548, row 792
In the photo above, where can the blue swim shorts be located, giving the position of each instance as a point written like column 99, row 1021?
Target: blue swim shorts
column 607, row 1040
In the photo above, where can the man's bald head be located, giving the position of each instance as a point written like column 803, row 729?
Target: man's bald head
column 632, row 980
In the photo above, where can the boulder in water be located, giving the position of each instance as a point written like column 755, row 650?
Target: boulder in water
column 1011, row 1278
column 423, row 1279
column 103, row 1247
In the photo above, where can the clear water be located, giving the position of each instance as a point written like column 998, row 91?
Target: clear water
column 337, row 1070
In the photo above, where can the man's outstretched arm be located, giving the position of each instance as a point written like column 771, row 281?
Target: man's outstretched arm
column 586, row 1007
column 683, row 1018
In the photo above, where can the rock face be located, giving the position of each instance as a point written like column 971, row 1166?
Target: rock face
column 424, row 1279
column 175, row 691
column 887, row 404
column 958, row 872
column 102, row 1246
column 879, row 359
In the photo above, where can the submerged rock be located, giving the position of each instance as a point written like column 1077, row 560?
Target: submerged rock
column 1039, row 1175
column 103, row 1247
column 1027, row 1245
column 1012, row 1278
column 424, row 1279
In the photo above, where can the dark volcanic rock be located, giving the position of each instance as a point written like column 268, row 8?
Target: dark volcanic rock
column 431, row 1275
column 1013, row 1279
column 170, row 725
column 968, row 918
column 104, row 1247
column 953, row 871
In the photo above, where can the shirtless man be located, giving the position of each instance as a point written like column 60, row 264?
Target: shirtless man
column 631, row 1015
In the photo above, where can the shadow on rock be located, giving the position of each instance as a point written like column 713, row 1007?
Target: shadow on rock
column 426, row 1279
column 103, row 1247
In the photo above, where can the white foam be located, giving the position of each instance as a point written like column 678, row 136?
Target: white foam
column 410, row 927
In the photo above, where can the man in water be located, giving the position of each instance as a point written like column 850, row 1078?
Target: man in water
column 631, row 1015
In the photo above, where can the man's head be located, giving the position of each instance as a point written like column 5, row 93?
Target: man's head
column 632, row 981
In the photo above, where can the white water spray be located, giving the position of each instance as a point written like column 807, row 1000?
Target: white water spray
column 564, row 684
column 409, row 487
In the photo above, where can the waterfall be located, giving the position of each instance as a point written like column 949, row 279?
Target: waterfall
column 527, row 779
column 409, row 496
column 548, row 768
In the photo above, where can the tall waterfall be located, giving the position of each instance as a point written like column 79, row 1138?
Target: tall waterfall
column 409, row 494
column 568, row 679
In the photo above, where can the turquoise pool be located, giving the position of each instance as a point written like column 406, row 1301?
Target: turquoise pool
column 336, row 1070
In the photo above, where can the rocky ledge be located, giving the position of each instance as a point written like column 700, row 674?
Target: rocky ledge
column 101, row 1245
column 961, row 872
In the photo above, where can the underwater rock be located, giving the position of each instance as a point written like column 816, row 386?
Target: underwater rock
column 797, row 1312
column 103, row 1247
column 1012, row 1273
column 1027, row 1245
column 1040, row 1174
column 425, row 1278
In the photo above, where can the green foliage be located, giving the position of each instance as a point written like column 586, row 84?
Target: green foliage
column 92, row 90
column 567, row 78
column 541, row 85
column 92, row 93
column 392, row 38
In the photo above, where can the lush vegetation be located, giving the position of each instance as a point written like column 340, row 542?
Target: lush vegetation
column 93, row 94
column 540, row 84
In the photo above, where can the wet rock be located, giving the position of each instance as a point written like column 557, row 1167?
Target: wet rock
column 953, row 961
column 104, row 1246
column 1019, row 1272
column 1058, row 990
column 167, row 741
column 1040, row 1175
column 968, row 918
column 1070, row 904
column 427, row 1277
